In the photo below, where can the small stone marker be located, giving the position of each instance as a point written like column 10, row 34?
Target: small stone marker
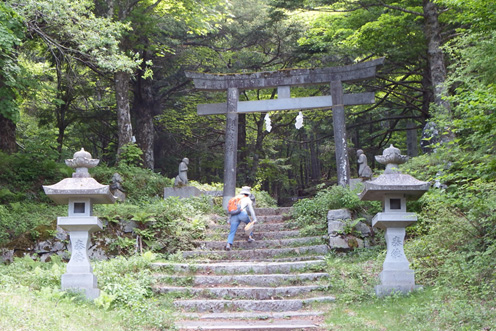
column 393, row 188
column 182, row 178
column 80, row 192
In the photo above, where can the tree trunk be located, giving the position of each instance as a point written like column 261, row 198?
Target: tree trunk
column 314, row 158
column 125, row 129
column 243, row 150
column 143, row 109
column 431, row 133
column 7, row 135
column 435, row 56
column 411, row 139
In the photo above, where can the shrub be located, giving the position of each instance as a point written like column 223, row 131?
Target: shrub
column 313, row 211
column 164, row 226
column 33, row 220
column 22, row 176
column 139, row 184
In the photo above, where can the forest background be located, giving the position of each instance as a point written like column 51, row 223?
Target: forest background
column 103, row 74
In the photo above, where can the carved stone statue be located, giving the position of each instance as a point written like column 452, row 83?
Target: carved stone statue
column 116, row 188
column 364, row 170
column 182, row 177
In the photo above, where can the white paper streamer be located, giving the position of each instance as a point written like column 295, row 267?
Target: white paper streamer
column 268, row 123
column 299, row 121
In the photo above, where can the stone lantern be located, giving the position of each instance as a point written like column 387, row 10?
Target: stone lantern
column 80, row 192
column 393, row 188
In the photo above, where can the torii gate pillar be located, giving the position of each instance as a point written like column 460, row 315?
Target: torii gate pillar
column 231, row 145
column 283, row 80
column 339, row 126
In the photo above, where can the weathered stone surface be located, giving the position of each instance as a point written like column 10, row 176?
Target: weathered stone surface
column 255, row 279
column 236, row 267
column 267, row 243
column 338, row 214
column 252, row 325
column 6, row 255
column 335, row 228
column 272, row 79
column 181, row 192
column 273, row 211
column 254, row 315
column 255, row 293
column 364, row 229
column 250, row 305
column 277, row 288
column 338, row 243
column 129, row 226
column 392, row 188
column 258, row 253
column 346, row 243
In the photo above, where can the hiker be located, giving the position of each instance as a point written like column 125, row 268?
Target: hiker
column 246, row 204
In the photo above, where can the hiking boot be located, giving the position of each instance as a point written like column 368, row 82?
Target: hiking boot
column 228, row 247
column 250, row 240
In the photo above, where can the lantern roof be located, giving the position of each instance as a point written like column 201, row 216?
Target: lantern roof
column 81, row 185
column 392, row 181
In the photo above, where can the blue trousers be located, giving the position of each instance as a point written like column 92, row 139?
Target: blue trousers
column 235, row 221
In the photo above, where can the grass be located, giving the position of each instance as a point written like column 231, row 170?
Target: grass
column 352, row 280
column 429, row 309
column 21, row 309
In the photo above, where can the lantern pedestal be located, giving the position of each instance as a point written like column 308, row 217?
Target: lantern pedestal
column 396, row 275
column 393, row 189
column 80, row 192
column 79, row 275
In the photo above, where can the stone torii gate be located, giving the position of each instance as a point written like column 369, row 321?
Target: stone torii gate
column 283, row 80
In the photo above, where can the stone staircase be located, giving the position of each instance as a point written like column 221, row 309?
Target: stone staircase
column 277, row 282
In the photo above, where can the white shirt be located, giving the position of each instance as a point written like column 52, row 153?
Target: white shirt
column 247, row 204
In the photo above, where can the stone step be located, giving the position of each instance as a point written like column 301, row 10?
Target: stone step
column 252, row 293
column 256, row 280
column 264, row 219
column 261, row 219
column 253, row 315
column 280, row 259
column 264, row 253
column 240, row 235
column 273, row 211
column 249, row 325
column 220, row 305
column 259, row 227
column 271, row 243
column 235, row 267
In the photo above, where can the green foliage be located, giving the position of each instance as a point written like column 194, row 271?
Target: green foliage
column 352, row 276
column 165, row 226
column 22, row 223
column 138, row 183
column 263, row 199
column 23, row 174
column 313, row 212
column 125, row 300
column 126, row 280
column 131, row 155
column 11, row 34
column 37, row 275
column 459, row 241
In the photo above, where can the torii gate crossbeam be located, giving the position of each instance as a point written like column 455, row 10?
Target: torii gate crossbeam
column 283, row 80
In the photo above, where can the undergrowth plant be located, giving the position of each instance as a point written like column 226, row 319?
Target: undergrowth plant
column 126, row 296
column 312, row 213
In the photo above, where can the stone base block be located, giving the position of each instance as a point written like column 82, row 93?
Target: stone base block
column 385, row 290
column 86, row 283
column 181, row 192
column 397, row 277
